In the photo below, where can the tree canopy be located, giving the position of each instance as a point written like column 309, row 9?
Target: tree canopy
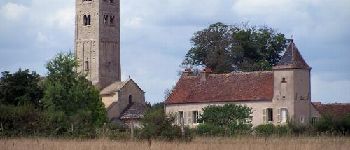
column 70, row 94
column 225, row 48
column 20, row 88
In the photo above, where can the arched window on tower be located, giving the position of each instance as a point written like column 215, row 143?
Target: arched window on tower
column 87, row 20
column 112, row 20
column 130, row 99
column 105, row 19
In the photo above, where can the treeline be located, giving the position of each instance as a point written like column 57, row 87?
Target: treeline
column 65, row 104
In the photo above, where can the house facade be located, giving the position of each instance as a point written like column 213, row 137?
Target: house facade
column 277, row 96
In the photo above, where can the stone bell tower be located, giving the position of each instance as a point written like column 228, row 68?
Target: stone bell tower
column 97, row 40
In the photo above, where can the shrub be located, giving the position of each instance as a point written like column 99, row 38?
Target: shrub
column 156, row 125
column 209, row 130
column 228, row 120
column 282, row 130
column 265, row 130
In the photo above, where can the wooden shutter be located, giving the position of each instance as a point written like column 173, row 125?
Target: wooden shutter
column 189, row 117
column 279, row 115
column 264, row 116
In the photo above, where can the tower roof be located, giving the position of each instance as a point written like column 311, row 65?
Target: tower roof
column 292, row 59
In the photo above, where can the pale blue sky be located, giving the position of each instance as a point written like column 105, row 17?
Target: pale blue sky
column 155, row 36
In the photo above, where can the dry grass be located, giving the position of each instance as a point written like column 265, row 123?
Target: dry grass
column 322, row 143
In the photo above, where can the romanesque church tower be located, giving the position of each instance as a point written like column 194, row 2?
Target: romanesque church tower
column 97, row 40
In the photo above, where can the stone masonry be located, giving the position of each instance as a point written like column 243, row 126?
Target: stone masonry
column 97, row 40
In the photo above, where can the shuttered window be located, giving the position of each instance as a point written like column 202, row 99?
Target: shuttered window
column 264, row 116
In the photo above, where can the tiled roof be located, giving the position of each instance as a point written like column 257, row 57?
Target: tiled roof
column 135, row 111
column 334, row 110
column 231, row 87
column 292, row 59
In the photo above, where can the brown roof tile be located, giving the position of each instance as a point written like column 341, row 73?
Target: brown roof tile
column 335, row 110
column 231, row 87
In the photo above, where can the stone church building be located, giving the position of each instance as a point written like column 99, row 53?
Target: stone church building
column 276, row 96
column 97, row 49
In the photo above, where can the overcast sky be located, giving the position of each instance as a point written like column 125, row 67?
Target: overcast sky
column 155, row 36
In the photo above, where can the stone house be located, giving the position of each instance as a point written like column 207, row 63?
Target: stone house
column 124, row 101
column 277, row 96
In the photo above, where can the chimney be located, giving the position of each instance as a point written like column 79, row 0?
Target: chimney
column 205, row 73
column 187, row 72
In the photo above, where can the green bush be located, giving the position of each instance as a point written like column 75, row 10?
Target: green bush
column 227, row 120
column 265, row 130
column 333, row 125
column 157, row 125
column 282, row 130
column 270, row 129
column 209, row 130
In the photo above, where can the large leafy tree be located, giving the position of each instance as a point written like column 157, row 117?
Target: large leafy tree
column 69, row 97
column 225, row 48
column 20, row 88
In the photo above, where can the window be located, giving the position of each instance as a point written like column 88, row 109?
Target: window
column 112, row 20
column 284, row 80
column 302, row 119
column 86, row 20
column 86, row 65
column 111, row 1
column 105, row 19
column 130, row 99
column 314, row 120
column 181, row 117
column 269, row 115
column 283, row 115
column 195, row 117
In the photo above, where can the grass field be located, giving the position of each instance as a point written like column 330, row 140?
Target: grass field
column 307, row 143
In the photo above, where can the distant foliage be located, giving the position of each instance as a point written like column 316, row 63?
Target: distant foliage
column 225, row 48
column 229, row 119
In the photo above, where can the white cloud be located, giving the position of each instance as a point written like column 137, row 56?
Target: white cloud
column 62, row 18
column 13, row 11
